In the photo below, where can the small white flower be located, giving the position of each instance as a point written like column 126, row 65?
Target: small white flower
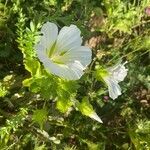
column 62, row 54
column 115, row 75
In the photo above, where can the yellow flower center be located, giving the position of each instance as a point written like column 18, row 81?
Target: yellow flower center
column 56, row 58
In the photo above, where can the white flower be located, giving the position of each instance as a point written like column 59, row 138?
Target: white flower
column 115, row 75
column 62, row 54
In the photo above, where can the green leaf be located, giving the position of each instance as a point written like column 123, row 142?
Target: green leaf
column 40, row 116
column 68, row 86
column 63, row 104
column 85, row 107
column 100, row 73
column 41, row 147
column 32, row 27
column 66, row 92
column 95, row 146
column 32, row 84
column 33, row 66
column 27, row 82
column 3, row 91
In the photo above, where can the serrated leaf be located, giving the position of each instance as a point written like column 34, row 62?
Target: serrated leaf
column 63, row 104
column 100, row 73
column 68, row 86
column 32, row 84
column 33, row 66
column 27, row 82
column 40, row 116
column 87, row 109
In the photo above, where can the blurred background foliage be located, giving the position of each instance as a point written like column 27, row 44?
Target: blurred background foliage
column 114, row 29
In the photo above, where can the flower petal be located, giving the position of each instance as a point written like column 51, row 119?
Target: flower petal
column 71, row 71
column 50, row 33
column 77, row 68
column 113, row 88
column 63, row 54
column 68, row 38
column 40, row 50
column 119, row 72
column 82, row 54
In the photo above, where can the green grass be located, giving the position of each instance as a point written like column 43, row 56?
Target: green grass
column 34, row 109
